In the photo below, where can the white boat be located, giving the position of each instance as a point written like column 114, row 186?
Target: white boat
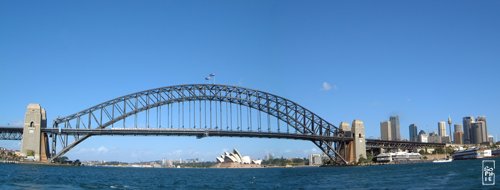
column 398, row 157
column 442, row 161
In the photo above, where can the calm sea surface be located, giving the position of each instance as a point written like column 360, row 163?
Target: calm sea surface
column 455, row 175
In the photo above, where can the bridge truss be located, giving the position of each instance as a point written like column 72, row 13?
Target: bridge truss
column 198, row 110
column 11, row 133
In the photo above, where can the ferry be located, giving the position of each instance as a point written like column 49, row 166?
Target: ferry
column 398, row 157
column 474, row 153
column 495, row 153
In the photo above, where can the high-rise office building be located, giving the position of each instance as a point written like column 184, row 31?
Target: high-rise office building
column 385, row 130
column 458, row 128
column 413, row 133
column 458, row 134
column 476, row 133
column 467, row 122
column 396, row 135
column 484, row 128
column 442, row 129
column 422, row 136
column 458, row 137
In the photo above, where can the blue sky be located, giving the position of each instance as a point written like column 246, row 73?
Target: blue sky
column 422, row 60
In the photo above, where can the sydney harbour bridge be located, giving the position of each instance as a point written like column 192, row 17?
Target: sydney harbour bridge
column 200, row 110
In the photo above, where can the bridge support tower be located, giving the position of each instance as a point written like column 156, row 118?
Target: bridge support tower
column 35, row 143
column 359, row 141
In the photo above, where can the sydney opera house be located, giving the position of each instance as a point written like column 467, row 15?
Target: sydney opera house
column 237, row 158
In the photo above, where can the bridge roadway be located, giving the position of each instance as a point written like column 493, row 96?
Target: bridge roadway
column 11, row 133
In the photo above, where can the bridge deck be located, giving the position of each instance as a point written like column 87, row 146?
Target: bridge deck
column 15, row 133
column 11, row 133
column 189, row 132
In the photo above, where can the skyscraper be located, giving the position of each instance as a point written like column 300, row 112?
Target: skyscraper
column 484, row 128
column 385, row 130
column 458, row 128
column 413, row 133
column 467, row 121
column 442, row 129
column 476, row 133
column 395, row 128
column 458, row 134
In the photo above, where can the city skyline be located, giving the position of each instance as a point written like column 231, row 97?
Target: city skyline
column 343, row 61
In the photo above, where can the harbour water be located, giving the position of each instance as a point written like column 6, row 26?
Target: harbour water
column 463, row 174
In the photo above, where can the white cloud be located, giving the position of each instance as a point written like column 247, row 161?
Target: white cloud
column 102, row 149
column 99, row 150
column 327, row 86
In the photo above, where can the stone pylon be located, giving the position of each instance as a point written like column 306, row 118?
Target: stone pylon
column 358, row 130
column 35, row 143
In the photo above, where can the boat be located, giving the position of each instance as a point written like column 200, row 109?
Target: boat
column 449, row 159
column 474, row 153
column 398, row 157
column 442, row 161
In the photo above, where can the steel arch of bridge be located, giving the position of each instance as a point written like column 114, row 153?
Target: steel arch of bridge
column 119, row 109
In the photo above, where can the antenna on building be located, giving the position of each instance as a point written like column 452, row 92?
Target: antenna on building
column 449, row 128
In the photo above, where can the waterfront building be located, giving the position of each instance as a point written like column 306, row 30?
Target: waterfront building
column 358, row 130
column 467, row 122
column 235, row 157
column 442, row 128
column 395, row 134
column 315, row 160
column 385, row 130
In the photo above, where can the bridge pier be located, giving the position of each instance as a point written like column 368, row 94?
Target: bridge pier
column 35, row 143
column 359, row 142
column 355, row 149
